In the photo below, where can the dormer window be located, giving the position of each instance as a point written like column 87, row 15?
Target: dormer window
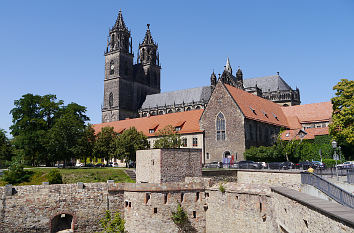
column 275, row 116
column 287, row 135
column 253, row 110
column 178, row 128
column 151, row 130
column 265, row 114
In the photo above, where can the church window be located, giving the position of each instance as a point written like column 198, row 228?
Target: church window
column 195, row 141
column 207, row 156
column 110, row 100
column 198, row 107
column 111, row 67
column 169, row 111
column 220, row 127
column 188, row 109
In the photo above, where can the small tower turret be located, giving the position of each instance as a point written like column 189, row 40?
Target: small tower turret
column 213, row 80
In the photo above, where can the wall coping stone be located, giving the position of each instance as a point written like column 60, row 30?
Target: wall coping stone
column 268, row 171
column 156, row 187
column 334, row 210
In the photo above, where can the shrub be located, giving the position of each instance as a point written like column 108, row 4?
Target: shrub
column 54, row 177
column 115, row 225
column 15, row 174
column 331, row 162
column 179, row 217
column 221, row 188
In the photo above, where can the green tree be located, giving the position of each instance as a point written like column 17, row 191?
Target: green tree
column 129, row 142
column 180, row 217
column 105, row 144
column 66, row 132
column 168, row 138
column 85, row 144
column 342, row 126
column 115, row 225
column 6, row 151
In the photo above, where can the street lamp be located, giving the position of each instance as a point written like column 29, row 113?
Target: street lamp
column 335, row 157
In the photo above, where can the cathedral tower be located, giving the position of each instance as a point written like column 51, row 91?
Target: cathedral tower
column 118, row 86
column 126, row 84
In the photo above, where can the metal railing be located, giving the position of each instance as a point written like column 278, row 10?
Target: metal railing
column 336, row 193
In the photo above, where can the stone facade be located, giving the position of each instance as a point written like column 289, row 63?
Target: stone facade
column 260, row 134
column 234, row 143
column 167, row 165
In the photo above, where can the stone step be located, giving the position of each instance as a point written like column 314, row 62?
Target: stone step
column 131, row 174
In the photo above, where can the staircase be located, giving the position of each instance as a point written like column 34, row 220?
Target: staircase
column 131, row 173
column 331, row 190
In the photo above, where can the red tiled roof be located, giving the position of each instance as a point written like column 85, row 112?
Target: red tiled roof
column 144, row 124
column 257, row 108
column 307, row 113
column 293, row 134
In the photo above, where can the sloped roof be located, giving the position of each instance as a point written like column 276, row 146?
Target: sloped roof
column 293, row 134
column 178, row 97
column 307, row 113
column 257, row 108
column 144, row 124
column 267, row 84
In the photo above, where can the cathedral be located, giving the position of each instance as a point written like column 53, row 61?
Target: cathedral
column 132, row 90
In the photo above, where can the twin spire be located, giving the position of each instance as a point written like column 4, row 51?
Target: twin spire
column 120, row 25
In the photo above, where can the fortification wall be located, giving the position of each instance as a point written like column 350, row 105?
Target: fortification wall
column 239, row 210
column 31, row 208
column 148, row 207
column 272, row 178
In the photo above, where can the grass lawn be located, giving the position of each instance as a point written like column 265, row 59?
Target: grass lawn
column 86, row 175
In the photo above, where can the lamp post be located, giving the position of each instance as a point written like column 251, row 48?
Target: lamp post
column 335, row 157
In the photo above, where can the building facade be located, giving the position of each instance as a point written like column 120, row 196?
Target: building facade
column 133, row 89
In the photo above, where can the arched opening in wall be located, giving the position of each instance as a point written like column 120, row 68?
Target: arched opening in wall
column 285, row 105
column 62, row 222
column 169, row 111
column 198, row 107
column 227, row 154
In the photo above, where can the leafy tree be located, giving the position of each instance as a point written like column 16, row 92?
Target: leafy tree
column 168, row 138
column 6, row 151
column 32, row 117
column 105, row 144
column 115, row 225
column 129, row 142
column 342, row 126
column 85, row 145
column 67, row 131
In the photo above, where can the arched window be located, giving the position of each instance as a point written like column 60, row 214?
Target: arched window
column 220, row 127
column 110, row 100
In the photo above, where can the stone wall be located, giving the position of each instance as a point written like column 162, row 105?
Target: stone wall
column 239, row 211
column 31, row 208
column 167, row 165
column 270, row 178
column 150, row 210
column 243, row 207
column 293, row 216
column 234, row 143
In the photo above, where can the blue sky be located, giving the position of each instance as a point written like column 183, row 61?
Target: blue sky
column 57, row 47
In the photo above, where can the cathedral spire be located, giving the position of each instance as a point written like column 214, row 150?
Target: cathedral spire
column 119, row 36
column 120, row 25
column 148, row 49
column 228, row 66
column 148, row 38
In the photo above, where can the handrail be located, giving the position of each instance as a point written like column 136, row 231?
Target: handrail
column 338, row 194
